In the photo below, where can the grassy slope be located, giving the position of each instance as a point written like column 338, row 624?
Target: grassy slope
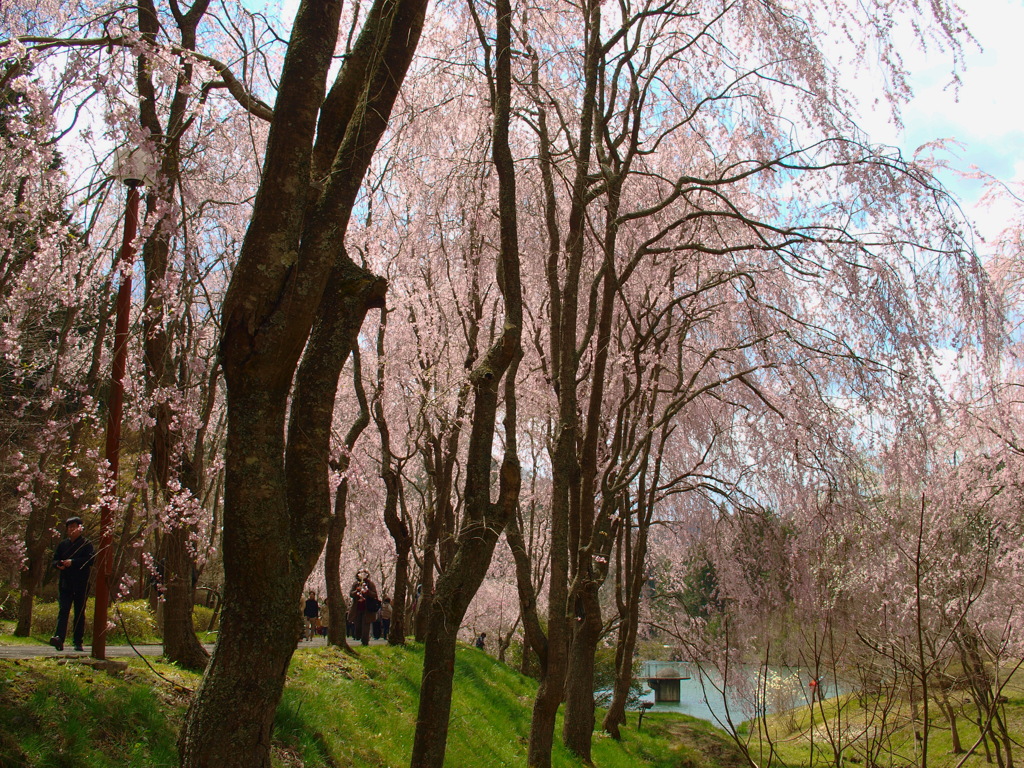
column 793, row 732
column 336, row 711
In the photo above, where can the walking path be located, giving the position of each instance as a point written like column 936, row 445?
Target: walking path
column 17, row 651
column 113, row 651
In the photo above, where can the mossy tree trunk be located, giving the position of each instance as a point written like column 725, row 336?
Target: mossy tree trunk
column 294, row 293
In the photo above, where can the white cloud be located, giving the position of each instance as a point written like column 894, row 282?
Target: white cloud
column 985, row 115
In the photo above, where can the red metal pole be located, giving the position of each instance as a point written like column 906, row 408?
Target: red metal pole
column 115, row 408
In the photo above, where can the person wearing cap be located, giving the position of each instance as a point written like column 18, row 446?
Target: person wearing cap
column 73, row 558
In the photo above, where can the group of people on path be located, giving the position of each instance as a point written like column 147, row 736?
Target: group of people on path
column 368, row 616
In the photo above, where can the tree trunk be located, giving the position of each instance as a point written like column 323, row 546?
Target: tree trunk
column 578, row 726
column 293, row 289
column 169, row 456
column 337, row 611
column 180, row 642
column 396, row 632
column 229, row 722
column 954, row 732
column 424, row 591
column 455, row 590
column 431, row 738
column 37, row 559
column 483, row 521
column 391, row 475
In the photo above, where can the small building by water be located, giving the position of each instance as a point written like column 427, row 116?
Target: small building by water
column 663, row 677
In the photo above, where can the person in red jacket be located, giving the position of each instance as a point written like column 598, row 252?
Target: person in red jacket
column 365, row 605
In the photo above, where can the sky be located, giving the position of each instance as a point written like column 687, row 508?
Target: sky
column 985, row 115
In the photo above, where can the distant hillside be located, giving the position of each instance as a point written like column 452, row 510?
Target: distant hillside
column 337, row 712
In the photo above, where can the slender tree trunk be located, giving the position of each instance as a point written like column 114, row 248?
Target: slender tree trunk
column 629, row 621
column 483, row 521
column 337, row 611
column 947, row 708
column 180, row 641
column 455, row 590
column 169, row 459
column 425, row 591
column 391, row 475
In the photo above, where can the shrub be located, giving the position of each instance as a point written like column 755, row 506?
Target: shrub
column 8, row 601
column 139, row 622
column 133, row 618
column 201, row 618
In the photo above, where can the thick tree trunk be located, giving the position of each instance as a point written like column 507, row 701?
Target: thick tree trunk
column 293, row 289
column 229, row 722
column 232, row 729
column 545, row 710
column 578, row 726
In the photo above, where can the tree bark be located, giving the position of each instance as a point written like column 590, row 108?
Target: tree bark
column 483, row 521
column 391, row 475
column 180, row 642
column 337, row 611
column 564, row 301
column 229, row 721
column 293, row 285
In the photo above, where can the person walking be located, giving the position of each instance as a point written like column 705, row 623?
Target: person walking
column 311, row 612
column 365, row 605
column 385, row 617
column 73, row 558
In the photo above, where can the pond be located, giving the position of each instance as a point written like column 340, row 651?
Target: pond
column 701, row 695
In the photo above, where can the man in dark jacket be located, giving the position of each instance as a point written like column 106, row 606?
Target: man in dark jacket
column 73, row 559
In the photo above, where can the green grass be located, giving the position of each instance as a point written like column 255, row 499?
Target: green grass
column 71, row 715
column 791, row 732
column 336, row 711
